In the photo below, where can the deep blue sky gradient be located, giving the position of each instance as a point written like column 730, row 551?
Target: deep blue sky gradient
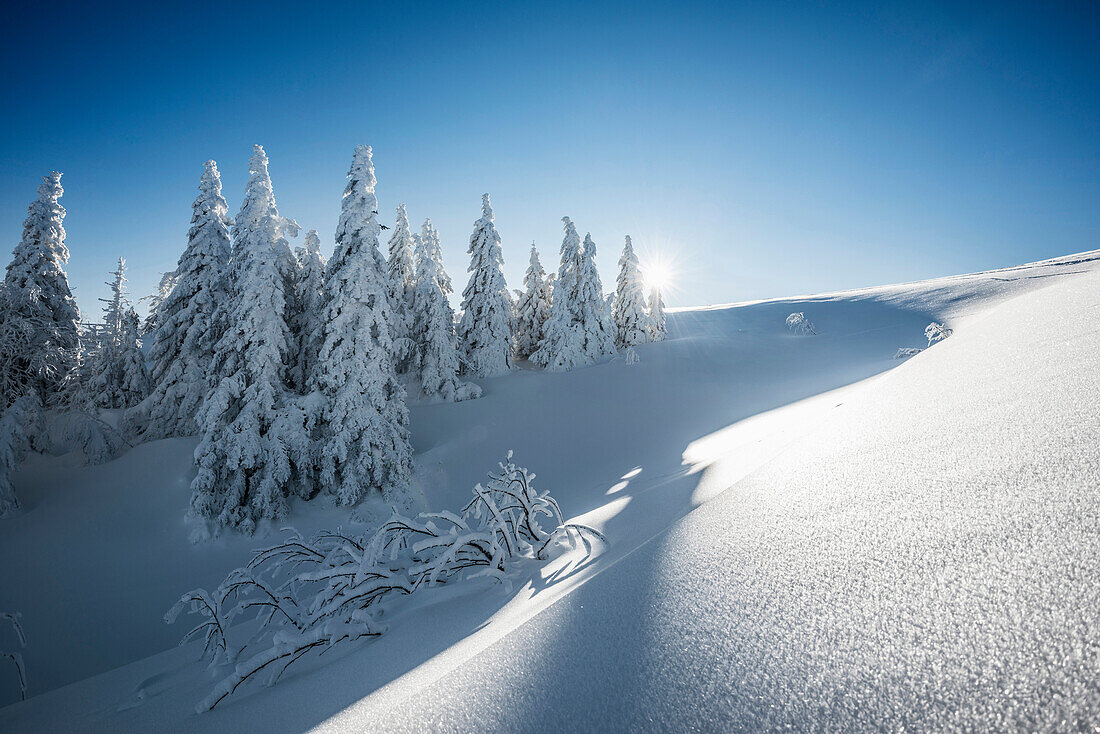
column 770, row 148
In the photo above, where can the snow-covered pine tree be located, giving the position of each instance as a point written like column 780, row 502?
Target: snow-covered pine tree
column 435, row 354
column 485, row 331
column 306, row 324
column 134, row 381
column 182, row 351
column 399, row 289
column 246, row 458
column 154, row 299
column 116, row 373
column 590, row 307
column 364, row 441
column 562, row 345
column 431, row 243
column 629, row 310
column 118, row 302
column 657, row 330
column 290, row 271
column 533, row 307
column 39, row 337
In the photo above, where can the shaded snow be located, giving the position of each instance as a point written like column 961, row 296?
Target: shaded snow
column 908, row 548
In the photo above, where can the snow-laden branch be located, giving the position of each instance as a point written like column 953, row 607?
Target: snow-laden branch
column 303, row 595
column 16, row 658
column 799, row 324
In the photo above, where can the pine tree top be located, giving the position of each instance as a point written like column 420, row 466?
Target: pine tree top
column 313, row 242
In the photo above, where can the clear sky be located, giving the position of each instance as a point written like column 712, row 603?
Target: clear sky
column 768, row 148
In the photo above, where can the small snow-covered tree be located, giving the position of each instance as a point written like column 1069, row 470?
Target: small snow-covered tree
column 134, row 381
column 153, row 301
column 936, row 332
column 364, row 442
column 307, row 324
column 117, row 377
column 435, row 354
column 39, row 336
column 533, row 307
column 399, row 288
column 182, row 352
column 590, row 307
column 629, row 311
column 246, row 458
column 657, row 329
column 799, row 324
column 485, row 331
column 562, row 345
column 14, row 443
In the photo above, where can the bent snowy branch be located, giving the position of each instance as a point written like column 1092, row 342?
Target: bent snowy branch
column 308, row 595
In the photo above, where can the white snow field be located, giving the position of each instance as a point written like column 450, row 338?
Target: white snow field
column 804, row 532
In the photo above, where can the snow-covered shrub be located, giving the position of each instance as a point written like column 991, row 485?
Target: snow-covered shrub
column 906, row 352
column 310, row 594
column 936, row 332
column 80, row 431
column 799, row 324
column 630, row 356
column 16, row 658
column 13, row 446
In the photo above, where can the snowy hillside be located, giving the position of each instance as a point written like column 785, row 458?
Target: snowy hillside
column 803, row 531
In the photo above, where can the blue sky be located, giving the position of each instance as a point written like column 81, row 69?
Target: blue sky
column 768, row 149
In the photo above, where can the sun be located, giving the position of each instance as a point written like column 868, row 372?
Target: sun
column 658, row 274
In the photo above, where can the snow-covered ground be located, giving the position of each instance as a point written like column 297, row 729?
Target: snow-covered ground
column 803, row 532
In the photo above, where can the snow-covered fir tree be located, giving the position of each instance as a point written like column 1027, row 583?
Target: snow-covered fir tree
column 399, row 290
column 532, row 307
column 657, row 330
column 290, row 272
column 154, row 300
column 306, row 324
column 182, row 352
column 248, row 452
column 590, row 307
column 134, row 381
column 114, row 306
column 629, row 311
column 562, row 345
column 435, row 355
column 485, row 331
column 39, row 337
column 430, row 235
column 116, row 373
column 364, row 441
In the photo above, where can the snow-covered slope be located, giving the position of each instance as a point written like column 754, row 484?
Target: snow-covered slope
column 797, row 537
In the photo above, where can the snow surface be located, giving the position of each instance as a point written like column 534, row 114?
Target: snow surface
column 798, row 538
